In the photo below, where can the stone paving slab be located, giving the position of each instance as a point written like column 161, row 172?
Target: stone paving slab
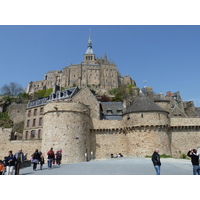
column 118, row 166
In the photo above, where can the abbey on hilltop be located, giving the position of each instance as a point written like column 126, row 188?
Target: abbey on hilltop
column 99, row 74
column 74, row 119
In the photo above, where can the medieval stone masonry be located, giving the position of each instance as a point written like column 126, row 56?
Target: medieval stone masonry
column 71, row 118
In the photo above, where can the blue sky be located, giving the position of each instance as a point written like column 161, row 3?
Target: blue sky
column 167, row 57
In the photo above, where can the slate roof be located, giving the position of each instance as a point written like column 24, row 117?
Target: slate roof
column 64, row 94
column 143, row 104
column 113, row 106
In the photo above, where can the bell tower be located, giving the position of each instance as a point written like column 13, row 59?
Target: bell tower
column 89, row 56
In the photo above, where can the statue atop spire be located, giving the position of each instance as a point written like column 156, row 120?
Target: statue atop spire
column 89, row 49
column 89, row 40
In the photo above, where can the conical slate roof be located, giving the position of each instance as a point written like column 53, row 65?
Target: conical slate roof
column 143, row 104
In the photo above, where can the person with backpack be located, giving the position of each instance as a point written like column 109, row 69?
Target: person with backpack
column 51, row 158
column 58, row 157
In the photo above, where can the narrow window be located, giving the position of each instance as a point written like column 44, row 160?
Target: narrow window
column 26, row 136
column 41, row 111
column 35, row 112
column 33, row 134
column 40, row 121
column 39, row 134
column 29, row 113
column 34, row 122
column 28, row 123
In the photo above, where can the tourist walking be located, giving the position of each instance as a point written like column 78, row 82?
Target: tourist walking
column 10, row 163
column 51, row 157
column 36, row 159
column 192, row 153
column 58, row 157
column 156, row 161
column 41, row 160
column 19, row 156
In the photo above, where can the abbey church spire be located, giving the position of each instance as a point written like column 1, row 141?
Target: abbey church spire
column 89, row 54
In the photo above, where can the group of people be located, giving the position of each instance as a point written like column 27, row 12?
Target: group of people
column 13, row 162
column 52, row 158
column 192, row 153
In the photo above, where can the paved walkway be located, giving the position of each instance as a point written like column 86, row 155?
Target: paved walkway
column 118, row 166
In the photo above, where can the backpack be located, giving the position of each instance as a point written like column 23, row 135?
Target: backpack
column 58, row 155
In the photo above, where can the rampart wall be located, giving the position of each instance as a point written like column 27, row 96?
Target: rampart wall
column 136, row 141
column 193, row 121
column 68, row 126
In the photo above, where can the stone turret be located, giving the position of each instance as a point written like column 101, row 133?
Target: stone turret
column 147, row 127
column 144, row 111
column 66, row 126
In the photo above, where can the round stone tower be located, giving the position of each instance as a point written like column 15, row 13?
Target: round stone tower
column 146, row 125
column 66, row 126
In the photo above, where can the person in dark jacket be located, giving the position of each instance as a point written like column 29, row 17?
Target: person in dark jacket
column 192, row 153
column 156, row 161
column 36, row 159
column 10, row 163
column 58, row 157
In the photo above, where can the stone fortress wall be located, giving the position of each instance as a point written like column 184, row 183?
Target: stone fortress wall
column 68, row 125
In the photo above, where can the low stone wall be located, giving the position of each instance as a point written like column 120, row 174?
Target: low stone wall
column 28, row 146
